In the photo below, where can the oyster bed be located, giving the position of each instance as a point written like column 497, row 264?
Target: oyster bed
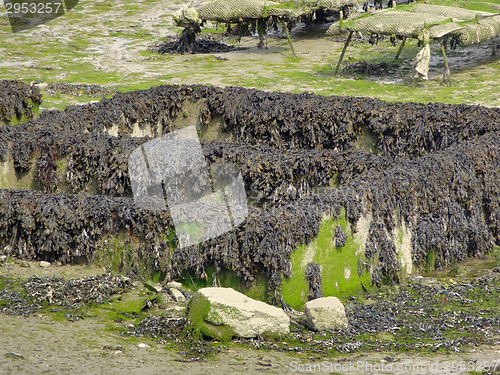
column 433, row 168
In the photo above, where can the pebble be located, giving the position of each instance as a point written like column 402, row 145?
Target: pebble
column 41, row 85
column 176, row 308
column 142, row 345
column 44, row 264
column 174, row 284
column 177, row 295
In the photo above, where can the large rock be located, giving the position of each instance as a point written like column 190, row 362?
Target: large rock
column 223, row 313
column 325, row 313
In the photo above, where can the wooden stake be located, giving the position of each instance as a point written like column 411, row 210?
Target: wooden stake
column 343, row 52
column 446, row 75
column 400, row 48
column 288, row 37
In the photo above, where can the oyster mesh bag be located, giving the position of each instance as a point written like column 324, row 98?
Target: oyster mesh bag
column 405, row 24
column 441, row 20
column 486, row 28
column 234, row 10
column 447, row 12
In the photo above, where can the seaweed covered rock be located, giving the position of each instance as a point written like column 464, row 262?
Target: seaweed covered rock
column 18, row 102
column 455, row 189
column 281, row 120
column 425, row 195
column 223, row 313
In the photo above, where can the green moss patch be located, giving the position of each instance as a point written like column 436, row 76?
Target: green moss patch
column 228, row 279
column 339, row 265
column 199, row 308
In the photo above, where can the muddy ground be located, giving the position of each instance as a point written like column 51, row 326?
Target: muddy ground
column 107, row 43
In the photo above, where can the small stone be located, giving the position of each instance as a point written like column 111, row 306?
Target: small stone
column 142, row 345
column 158, row 288
column 41, row 85
column 177, row 295
column 325, row 313
column 44, row 264
column 3, row 258
column 176, row 311
column 174, row 284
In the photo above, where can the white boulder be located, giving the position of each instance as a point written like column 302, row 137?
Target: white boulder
column 325, row 313
column 223, row 313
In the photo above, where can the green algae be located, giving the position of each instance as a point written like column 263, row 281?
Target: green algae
column 339, row 265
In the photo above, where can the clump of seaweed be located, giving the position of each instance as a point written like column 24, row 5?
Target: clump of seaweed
column 17, row 100
column 202, row 44
column 74, row 292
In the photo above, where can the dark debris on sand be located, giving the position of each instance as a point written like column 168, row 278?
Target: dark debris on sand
column 366, row 68
column 423, row 315
column 75, row 89
column 55, row 291
column 413, row 317
column 202, row 44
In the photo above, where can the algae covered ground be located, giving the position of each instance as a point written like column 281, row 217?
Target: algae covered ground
column 107, row 43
